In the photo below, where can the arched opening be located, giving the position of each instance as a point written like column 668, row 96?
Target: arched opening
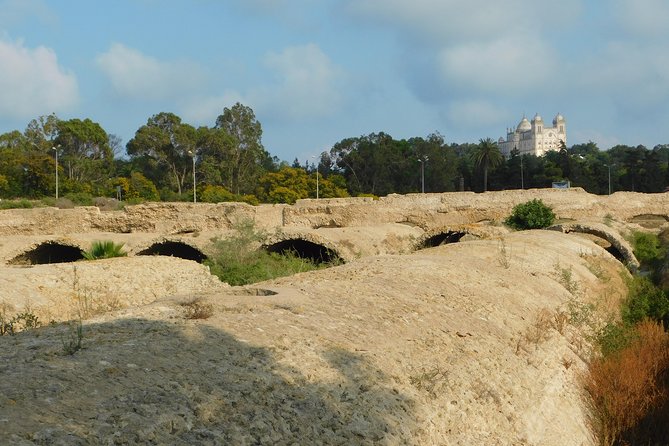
column 649, row 221
column 603, row 242
column 305, row 250
column 615, row 253
column 174, row 249
column 49, row 252
column 442, row 238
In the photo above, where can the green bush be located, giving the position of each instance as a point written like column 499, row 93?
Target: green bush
column 237, row 260
column 533, row 214
column 644, row 301
column 648, row 249
column 80, row 198
column 16, row 204
column 216, row 194
column 614, row 337
column 104, row 250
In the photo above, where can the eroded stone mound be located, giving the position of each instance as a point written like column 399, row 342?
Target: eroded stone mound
column 465, row 343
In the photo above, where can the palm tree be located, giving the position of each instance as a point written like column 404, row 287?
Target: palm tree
column 487, row 155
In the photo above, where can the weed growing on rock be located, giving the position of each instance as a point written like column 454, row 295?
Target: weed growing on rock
column 27, row 320
column 104, row 250
column 75, row 336
column 503, row 257
column 566, row 278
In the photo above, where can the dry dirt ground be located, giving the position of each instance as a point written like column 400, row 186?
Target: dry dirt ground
column 471, row 343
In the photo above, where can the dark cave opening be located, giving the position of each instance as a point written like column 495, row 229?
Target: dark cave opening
column 305, row 250
column 174, row 249
column 49, row 252
column 442, row 238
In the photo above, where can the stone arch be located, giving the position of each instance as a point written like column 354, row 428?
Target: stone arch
column 444, row 237
column 620, row 248
column 650, row 221
column 174, row 248
column 306, row 249
column 450, row 234
column 49, row 252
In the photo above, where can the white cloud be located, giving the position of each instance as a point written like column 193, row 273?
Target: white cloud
column 138, row 76
column 32, row 82
column 16, row 11
column 632, row 75
column 441, row 21
column 642, row 17
column 205, row 110
column 499, row 66
column 476, row 114
column 454, row 50
column 308, row 84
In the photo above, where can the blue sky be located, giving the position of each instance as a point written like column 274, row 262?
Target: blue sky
column 318, row 71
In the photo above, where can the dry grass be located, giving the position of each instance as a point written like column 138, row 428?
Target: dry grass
column 626, row 387
column 538, row 332
column 197, row 309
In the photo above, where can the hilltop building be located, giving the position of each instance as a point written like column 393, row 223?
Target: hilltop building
column 534, row 138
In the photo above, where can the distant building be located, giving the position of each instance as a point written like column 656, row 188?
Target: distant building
column 534, row 138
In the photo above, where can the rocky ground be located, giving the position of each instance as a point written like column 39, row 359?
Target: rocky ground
column 468, row 343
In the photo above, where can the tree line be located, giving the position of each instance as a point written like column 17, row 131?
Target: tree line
column 231, row 164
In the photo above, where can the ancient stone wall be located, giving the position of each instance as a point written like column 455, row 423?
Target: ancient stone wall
column 426, row 211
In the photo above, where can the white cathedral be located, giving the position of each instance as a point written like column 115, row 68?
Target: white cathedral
column 534, row 138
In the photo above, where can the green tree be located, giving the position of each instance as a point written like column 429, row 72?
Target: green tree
column 334, row 186
column 216, row 194
column 85, row 152
column 487, row 156
column 42, row 132
column 285, row 186
column 168, row 143
column 247, row 156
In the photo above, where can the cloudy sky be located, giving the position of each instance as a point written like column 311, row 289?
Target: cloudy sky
column 318, row 71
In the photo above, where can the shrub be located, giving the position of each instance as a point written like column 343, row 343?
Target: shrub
column 141, row 187
column 533, row 214
column 644, row 301
column 16, row 204
column 216, row 194
column 614, row 337
column 80, row 198
column 104, row 250
column 197, row 309
column 237, row 260
column 648, row 249
column 626, row 388
column 75, row 336
column 107, row 204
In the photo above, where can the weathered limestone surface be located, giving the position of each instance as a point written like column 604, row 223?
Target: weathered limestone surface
column 423, row 210
column 460, row 344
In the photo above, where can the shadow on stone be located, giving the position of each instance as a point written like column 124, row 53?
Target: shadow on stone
column 174, row 249
column 49, row 252
column 138, row 381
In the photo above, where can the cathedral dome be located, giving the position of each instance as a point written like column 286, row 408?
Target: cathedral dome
column 558, row 118
column 537, row 118
column 524, row 125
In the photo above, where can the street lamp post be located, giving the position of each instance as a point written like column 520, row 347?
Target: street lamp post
column 609, row 167
column 55, row 149
column 192, row 153
column 422, row 162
